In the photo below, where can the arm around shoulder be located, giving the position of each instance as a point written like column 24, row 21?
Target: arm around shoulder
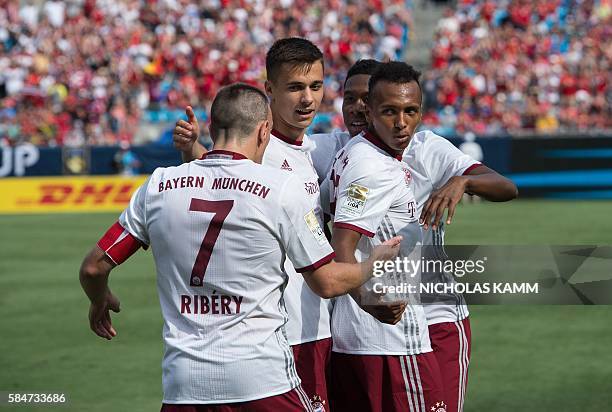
column 489, row 184
column 338, row 278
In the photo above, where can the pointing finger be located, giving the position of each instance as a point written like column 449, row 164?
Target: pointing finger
column 190, row 115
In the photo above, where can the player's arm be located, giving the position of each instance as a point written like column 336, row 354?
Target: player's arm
column 186, row 135
column 119, row 242
column 336, row 278
column 304, row 241
column 114, row 248
column 94, row 280
column 480, row 181
column 354, row 220
column 344, row 242
column 489, row 184
column 455, row 173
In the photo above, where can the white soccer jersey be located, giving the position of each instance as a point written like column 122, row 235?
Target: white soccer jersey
column 221, row 229
column 433, row 160
column 308, row 313
column 372, row 195
column 327, row 146
column 323, row 155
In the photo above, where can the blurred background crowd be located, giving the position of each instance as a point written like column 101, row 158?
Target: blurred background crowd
column 105, row 72
column 522, row 66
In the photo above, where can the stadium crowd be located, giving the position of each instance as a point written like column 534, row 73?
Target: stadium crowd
column 85, row 71
column 521, row 66
column 88, row 71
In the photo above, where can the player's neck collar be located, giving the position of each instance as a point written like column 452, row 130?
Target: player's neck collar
column 285, row 139
column 376, row 141
column 223, row 154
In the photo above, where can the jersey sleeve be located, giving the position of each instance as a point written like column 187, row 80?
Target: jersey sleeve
column 364, row 197
column 301, row 234
column 323, row 154
column 129, row 233
column 442, row 160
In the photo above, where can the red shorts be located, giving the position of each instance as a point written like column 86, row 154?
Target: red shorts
column 312, row 362
column 451, row 343
column 379, row 383
column 294, row 400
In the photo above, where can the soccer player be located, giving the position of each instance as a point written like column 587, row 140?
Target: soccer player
column 375, row 366
column 220, row 228
column 295, row 88
column 353, row 112
column 442, row 174
column 432, row 162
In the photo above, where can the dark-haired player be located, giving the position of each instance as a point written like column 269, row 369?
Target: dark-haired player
column 372, row 199
column 436, row 167
column 224, row 340
column 353, row 113
column 295, row 88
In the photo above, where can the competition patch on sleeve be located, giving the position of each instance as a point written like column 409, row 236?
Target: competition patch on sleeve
column 355, row 200
column 315, row 228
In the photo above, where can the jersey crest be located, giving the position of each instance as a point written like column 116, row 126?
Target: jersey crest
column 407, row 176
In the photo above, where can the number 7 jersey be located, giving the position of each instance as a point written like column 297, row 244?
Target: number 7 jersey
column 221, row 230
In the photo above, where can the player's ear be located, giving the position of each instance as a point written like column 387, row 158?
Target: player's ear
column 268, row 88
column 263, row 137
column 421, row 106
column 367, row 112
column 420, row 113
column 263, row 133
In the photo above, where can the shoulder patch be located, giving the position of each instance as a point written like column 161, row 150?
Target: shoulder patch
column 315, row 228
column 355, row 200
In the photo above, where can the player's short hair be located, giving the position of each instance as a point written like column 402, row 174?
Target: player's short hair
column 394, row 72
column 295, row 51
column 363, row 66
column 238, row 107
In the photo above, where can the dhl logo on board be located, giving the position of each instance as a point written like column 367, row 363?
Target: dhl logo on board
column 67, row 194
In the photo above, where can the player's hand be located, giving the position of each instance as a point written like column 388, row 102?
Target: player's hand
column 447, row 197
column 99, row 316
column 388, row 250
column 186, row 133
column 390, row 313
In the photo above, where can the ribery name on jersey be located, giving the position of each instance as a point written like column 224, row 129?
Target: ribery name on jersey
column 210, row 305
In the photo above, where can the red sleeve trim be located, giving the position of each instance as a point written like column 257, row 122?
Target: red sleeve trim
column 469, row 169
column 119, row 244
column 317, row 264
column 354, row 228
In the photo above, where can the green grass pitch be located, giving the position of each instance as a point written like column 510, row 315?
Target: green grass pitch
column 536, row 358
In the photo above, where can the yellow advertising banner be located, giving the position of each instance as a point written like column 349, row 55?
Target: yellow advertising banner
column 67, row 194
